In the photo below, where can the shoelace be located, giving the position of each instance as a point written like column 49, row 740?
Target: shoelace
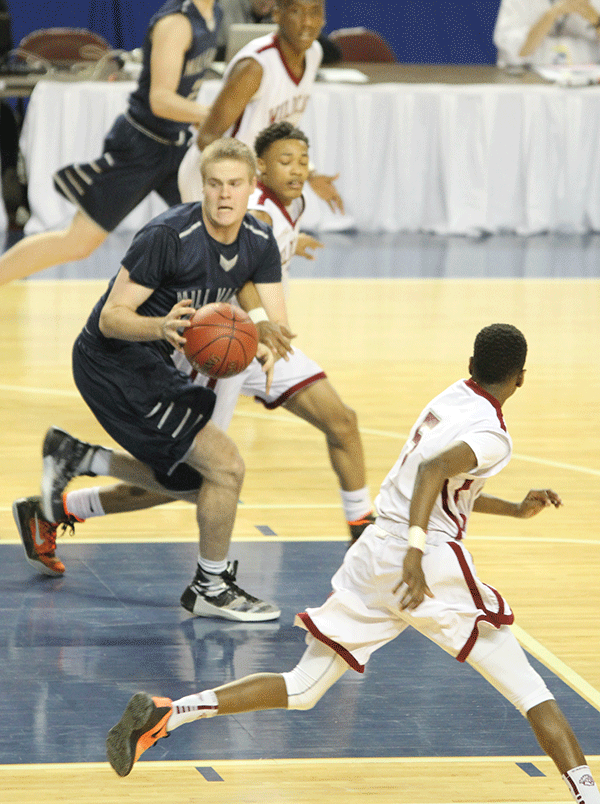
column 47, row 533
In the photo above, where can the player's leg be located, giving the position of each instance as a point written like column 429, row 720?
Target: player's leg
column 213, row 590
column 146, row 720
column 501, row 660
column 34, row 253
column 215, row 456
column 320, row 405
column 65, row 458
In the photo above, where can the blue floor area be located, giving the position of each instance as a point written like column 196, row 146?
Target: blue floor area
column 74, row 650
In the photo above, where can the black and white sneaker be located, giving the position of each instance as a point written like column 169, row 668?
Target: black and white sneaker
column 226, row 600
column 64, row 457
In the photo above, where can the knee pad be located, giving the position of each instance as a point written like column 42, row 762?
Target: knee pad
column 318, row 669
column 505, row 665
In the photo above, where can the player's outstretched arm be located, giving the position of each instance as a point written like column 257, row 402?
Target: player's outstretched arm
column 241, row 85
column 533, row 502
column 275, row 336
column 304, row 242
column 266, row 358
column 325, row 188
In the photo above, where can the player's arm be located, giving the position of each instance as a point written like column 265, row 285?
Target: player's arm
column 119, row 317
column 171, row 38
column 456, row 459
column 239, row 88
column 273, row 334
column 304, row 242
column 325, row 188
column 533, row 502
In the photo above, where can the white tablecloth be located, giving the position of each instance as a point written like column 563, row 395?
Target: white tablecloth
column 447, row 158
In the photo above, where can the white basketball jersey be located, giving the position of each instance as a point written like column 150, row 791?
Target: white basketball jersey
column 463, row 412
column 280, row 95
column 286, row 224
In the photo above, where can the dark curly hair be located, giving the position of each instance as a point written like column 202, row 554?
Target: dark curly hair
column 277, row 131
column 498, row 354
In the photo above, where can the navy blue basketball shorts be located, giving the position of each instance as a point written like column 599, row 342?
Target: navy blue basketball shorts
column 132, row 164
column 147, row 405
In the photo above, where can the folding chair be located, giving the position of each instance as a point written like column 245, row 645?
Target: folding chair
column 361, row 44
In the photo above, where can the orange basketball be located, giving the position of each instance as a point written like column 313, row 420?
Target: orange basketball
column 221, row 340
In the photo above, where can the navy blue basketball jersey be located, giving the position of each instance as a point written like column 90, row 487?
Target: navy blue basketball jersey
column 176, row 257
column 197, row 59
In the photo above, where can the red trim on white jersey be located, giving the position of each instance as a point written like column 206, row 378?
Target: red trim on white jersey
column 266, row 193
column 345, row 654
column 461, row 523
column 291, row 391
column 284, row 62
column 491, row 399
column 495, row 618
column 269, row 46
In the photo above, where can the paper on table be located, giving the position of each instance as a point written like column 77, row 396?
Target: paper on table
column 342, row 75
column 570, row 75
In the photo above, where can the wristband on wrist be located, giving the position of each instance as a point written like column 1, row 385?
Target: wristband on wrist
column 258, row 314
column 417, row 537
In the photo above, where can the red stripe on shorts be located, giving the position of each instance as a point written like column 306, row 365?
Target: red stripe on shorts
column 495, row 618
column 291, row 391
column 345, row 654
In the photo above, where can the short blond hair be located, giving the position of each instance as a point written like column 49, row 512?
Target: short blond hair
column 228, row 148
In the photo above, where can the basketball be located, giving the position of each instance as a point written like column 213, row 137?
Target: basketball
column 221, row 340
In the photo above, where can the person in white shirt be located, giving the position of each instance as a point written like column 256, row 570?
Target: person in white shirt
column 547, row 32
column 409, row 569
column 269, row 80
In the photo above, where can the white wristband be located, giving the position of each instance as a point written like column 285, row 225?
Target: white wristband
column 417, row 537
column 258, row 314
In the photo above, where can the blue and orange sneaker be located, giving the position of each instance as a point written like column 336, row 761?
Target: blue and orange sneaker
column 143, row 723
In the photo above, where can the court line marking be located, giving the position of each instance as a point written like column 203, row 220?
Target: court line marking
column 158, row 765
column 19, row 389
column 258, row 537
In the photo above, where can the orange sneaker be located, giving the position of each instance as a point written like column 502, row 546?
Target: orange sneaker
column 143, row 723
column 38, row 536
column 356, row 528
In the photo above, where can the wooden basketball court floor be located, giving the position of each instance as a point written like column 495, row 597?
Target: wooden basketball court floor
column 392, row 321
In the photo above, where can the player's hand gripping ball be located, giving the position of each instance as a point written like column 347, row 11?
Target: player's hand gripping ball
column 221, row 340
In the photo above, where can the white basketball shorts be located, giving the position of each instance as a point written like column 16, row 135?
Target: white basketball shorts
column 363, row 614
column 289, row 377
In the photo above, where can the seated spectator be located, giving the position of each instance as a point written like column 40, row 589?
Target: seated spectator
column 236, row 11
column 548, row 32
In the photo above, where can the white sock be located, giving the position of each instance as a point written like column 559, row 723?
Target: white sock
column 100, row 461
column 356, row 504
column 193, row 707
column 84, row 503
column 582, row 785
column 212, row 567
